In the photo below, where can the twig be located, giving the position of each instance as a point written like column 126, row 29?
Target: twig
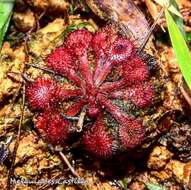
column 41, row 68
column 85, row 187
column 151, row 30
column 70, row 117
column 45, row 69
column 68, row 164
column 10, row 173
column 81, row 119
column 26, row 78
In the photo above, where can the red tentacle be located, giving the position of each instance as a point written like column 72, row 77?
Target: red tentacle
column 78, row 43
column 112, row 86
column 67, row 94
column 112, row 109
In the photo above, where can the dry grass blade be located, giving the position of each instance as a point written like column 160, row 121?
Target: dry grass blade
column 11, row 171
column 151, row 30
column 186, row 94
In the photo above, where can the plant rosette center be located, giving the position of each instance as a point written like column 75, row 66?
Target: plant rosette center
column 103, row 68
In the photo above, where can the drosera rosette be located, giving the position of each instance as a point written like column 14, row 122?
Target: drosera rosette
column 117, row 72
